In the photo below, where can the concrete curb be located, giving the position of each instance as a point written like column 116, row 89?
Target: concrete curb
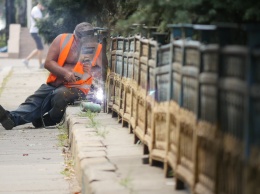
column 3, row 74
column 93, row 170
column 111, row 164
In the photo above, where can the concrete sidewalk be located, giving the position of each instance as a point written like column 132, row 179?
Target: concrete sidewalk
column 31, row 161
column 106, row 161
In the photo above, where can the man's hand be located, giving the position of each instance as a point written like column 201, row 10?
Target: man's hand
column 70, row 77
column 87, row 66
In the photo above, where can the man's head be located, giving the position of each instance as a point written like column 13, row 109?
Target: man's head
column 40, row 5
column 84, row 29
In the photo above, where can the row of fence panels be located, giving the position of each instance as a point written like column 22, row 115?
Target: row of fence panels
column 193, row 101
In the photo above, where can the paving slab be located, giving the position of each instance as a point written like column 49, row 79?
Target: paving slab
column 31, row 160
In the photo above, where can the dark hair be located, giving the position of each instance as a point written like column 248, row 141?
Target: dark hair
column 43, row 3
column 84, row 29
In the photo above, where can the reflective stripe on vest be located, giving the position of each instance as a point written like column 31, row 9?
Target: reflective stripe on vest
column 65, row 45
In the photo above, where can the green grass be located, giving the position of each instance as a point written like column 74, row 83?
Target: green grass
column 68, row 171
column 92, row 118
column 127, row 182
column 5, row 81
column 94, row 123
column 102, row 132
column 63, row 141
column 62, row 136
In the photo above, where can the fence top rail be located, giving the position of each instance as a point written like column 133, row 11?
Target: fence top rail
column 204, row 27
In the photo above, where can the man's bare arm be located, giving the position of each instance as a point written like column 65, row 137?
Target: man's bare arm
column 52, row 65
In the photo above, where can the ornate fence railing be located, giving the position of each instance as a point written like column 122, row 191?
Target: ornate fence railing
column 194, row 103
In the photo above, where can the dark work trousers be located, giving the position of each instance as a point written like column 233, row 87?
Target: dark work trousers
column 47, row 99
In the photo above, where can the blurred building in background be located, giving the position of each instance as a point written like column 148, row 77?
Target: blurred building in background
column 13, row 12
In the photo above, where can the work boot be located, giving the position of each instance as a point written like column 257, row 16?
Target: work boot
column 5, row 119
column 37, row 123
column 48, row 121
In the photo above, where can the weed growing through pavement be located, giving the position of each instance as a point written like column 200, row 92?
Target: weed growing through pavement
column 102, row 132
column 127, row 182
column 91, row 116
column 62, row 136
column 170, row 173
column 5, row 81
column 68, row 171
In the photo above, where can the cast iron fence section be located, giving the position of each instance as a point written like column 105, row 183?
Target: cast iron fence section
column 192, row 97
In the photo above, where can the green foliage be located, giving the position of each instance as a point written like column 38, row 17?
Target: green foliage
column 62, row 17
column 163, row 12
column 120, row 15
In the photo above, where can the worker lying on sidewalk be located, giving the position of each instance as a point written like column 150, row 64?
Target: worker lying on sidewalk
column 47, row 105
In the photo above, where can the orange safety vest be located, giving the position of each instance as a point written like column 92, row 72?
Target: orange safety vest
column 65, row 45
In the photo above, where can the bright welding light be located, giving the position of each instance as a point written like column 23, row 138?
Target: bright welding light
column 99, row 94
column 151, row 92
